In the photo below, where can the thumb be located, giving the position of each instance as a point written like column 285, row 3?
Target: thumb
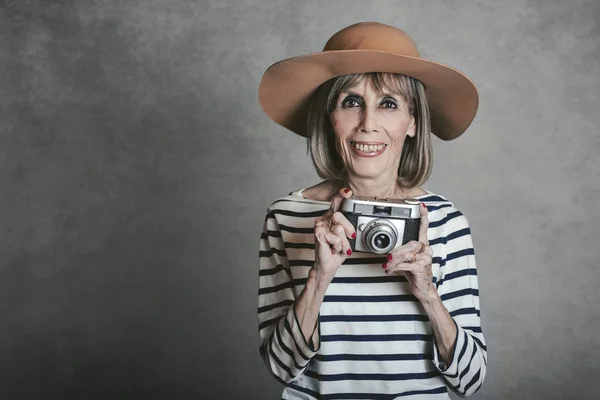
column 336, row 201
column 424, row 225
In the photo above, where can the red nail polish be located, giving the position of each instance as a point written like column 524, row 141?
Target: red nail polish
column 349, row 252
column 390, row 257
column 423, row 204
column 354, row 235
column 384, row 266
column 346, row 190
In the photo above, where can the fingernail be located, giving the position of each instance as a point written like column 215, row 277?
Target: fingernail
column 346, row 190
column 354, row 235
column 384, row 266
column 423, row 204
column 390, row 257
column 349, row 252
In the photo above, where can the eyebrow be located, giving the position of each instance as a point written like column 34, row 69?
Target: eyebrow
column 383, row 95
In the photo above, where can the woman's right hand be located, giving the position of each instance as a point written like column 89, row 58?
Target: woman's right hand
column 332, row 231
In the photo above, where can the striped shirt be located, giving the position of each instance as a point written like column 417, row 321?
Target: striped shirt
column 373, row 338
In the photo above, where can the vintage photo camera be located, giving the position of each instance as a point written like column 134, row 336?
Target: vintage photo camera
column 382, row 224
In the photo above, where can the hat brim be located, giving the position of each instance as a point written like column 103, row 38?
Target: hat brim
column 286, row 87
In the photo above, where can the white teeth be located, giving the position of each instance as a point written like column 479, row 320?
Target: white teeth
column 369, row 148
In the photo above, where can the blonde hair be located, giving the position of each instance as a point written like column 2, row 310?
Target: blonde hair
column 416, row 160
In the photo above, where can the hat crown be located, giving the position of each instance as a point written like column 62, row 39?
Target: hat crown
column 373, row 36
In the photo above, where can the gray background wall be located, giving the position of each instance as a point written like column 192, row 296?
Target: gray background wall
column 136, row 167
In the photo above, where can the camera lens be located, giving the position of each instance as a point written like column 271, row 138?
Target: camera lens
column 381, row 241
column 380, row 236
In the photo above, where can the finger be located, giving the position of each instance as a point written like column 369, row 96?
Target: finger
column 341, row 220
column 321, row 234
column 321, row 224
column 339, row 231
column 427, row 251
column 416, row 257
column 334, row 241
column 425, row 257
column 404, row 252
column 417, row 266
column 424, row 225
column 409, row 257
column 420, row 259
column 397, row 267
column 336, row 201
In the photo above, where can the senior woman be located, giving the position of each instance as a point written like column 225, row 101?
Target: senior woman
column 339, row 324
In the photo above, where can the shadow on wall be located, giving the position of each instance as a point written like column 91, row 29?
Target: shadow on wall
column 99, row 282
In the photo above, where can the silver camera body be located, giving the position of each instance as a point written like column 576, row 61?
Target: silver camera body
column 382, row 224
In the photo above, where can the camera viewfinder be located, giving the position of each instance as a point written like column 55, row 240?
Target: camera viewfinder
column 382, row 210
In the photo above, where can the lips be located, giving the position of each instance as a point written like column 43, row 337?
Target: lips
column 368, row 149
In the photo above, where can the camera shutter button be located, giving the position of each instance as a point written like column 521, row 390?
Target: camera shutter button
column 410, row 200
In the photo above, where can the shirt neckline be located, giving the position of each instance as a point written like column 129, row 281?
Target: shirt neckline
column 298, row 193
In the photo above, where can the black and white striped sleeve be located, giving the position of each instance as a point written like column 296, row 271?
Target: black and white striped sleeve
column 283, row 348
column 459, row 291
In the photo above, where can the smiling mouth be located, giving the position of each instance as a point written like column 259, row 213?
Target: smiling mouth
column 369, row 149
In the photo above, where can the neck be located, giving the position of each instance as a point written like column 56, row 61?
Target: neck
column 389, row 187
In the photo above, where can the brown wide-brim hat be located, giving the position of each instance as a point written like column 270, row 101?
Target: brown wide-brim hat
column 287, row 86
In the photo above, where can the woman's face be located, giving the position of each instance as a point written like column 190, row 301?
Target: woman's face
column 370, row 129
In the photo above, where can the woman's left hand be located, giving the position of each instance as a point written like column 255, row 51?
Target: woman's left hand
column 414, row 259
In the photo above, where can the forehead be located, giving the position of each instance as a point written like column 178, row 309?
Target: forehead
column 382, row 84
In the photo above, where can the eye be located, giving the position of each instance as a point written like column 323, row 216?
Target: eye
column 350, row 102
column 389, row 104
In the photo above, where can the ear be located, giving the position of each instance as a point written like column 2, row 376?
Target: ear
column 412, row 128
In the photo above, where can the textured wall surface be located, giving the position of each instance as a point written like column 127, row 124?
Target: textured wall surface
column 136, row 167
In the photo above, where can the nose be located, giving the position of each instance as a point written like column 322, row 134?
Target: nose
column 368, row 121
